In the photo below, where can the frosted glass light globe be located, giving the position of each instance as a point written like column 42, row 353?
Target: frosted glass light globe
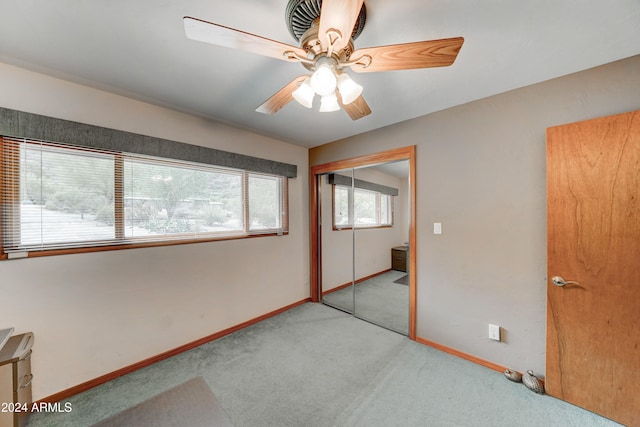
column 349, row 90
column 329, row 103
column 304, row 94
column 323, row 80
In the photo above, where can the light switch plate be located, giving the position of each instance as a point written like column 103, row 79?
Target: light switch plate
column 437, row 228
column 494, row 332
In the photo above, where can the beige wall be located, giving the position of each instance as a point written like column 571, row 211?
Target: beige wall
column 481, row 173
column 95, row 313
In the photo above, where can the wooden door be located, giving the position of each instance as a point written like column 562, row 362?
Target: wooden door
column 593, row 238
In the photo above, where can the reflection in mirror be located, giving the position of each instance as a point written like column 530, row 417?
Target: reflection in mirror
column 366, row 212
column 381, row 203
column 336, row 241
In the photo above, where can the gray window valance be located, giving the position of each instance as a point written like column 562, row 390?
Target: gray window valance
column 19, row 124
column 365, row 185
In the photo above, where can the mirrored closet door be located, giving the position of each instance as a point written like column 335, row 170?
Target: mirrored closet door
column 365, row 243
column 337, row 250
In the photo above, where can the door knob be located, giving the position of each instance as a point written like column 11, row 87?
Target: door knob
column 559, row 281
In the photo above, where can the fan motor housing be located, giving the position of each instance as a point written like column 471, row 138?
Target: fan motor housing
column 301, row 14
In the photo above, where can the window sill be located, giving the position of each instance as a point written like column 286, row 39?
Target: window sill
column 362, row 227
column 67, row 251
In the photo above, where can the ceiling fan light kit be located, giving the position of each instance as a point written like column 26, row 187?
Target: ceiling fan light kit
column 326, row 30
column 324, row 82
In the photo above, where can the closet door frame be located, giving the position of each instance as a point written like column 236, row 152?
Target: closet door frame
column 405, row 153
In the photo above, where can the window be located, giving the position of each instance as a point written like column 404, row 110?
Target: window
column 60, row 197
column 370, row 208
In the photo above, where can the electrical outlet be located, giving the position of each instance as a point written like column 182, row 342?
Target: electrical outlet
column 494, row 332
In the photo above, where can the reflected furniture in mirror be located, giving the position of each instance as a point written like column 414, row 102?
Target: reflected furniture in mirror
column 399, row 258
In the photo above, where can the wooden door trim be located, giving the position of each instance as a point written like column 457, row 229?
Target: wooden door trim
column 405, row 153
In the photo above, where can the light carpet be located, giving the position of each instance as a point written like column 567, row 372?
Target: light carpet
column 314, row 366
column 191, row 403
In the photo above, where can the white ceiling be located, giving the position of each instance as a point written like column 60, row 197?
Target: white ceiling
column 137, row 48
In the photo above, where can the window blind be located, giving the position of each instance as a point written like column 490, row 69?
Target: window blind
column 61, row 196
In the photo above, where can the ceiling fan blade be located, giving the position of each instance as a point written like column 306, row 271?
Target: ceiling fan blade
column 281, row 97
column 338, row 15
column 407, row 56
column 208, row 32
column 356, row 109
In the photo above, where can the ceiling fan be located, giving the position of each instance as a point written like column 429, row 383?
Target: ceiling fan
column 326, row 30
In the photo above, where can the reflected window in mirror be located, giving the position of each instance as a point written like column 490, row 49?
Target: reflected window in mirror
column 365, row 208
